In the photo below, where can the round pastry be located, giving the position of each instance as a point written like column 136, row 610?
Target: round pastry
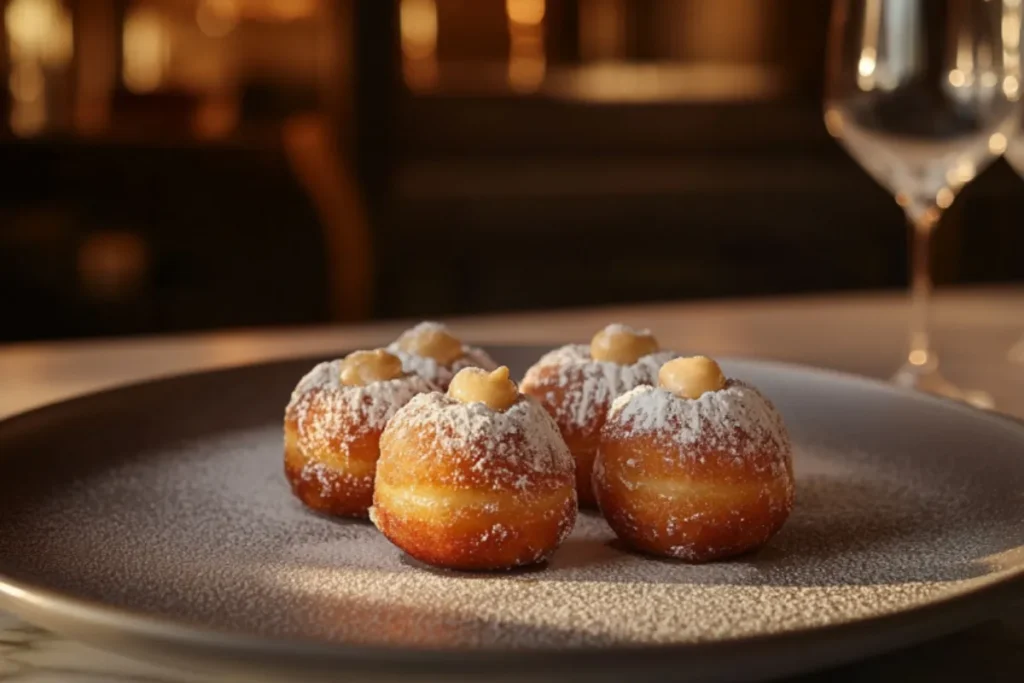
column 432, row 352
column 698, row 468
column 576, row 384
column 332, row 428
column 474, row 479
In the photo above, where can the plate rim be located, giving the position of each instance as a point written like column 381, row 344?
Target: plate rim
column 748, row 657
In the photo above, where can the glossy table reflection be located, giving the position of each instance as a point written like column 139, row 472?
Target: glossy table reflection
column 863, row 334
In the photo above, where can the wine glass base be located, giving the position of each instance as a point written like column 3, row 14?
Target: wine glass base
column 931, row 381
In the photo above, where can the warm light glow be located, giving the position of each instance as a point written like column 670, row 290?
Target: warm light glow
column 1010, row 28
column 418, row 29
column 1011, row 47
column 418, row 20
column 866, row 65
column 527, row 60
column 39, row 34
column 962, row 173
column 944, row 198
column 278, row 10
column 614, row 81
column 526, row 72
column 964, row 61
column 39, row 29
column 218, row 18
column 866, row 83
column 28, row 115
column 147, row 50
column 525, row 12
column 27, row 82
column 918, row 357
column 869, row 45
column 997, row 143
column 1011, row 87
column 834, row 122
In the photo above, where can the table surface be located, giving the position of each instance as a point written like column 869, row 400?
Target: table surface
column 864, row 334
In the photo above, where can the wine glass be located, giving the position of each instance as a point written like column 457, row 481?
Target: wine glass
column 922, row 94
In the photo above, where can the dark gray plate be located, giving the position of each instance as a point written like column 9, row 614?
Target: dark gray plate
column 154, row 520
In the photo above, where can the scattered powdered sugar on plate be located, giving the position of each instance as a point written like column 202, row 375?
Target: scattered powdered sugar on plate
column 901, row 503
column 588, row 386
column 320, row 404
column 737, row 419
column 430, row 369
column 207, row 533
column 504, row 447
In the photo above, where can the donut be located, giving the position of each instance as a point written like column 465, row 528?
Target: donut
column 474, row 479
column 332, row 429
column 698, row 468
column 577, row 383
column 432, row 352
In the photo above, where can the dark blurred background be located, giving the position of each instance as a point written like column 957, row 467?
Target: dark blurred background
column 174, row 165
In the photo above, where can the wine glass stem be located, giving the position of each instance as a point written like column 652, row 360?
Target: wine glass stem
column 920, row 355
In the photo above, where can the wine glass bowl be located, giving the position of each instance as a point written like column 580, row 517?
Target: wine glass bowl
column 923, row 94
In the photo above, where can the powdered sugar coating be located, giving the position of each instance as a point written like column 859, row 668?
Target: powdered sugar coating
column 736, row 420
column 477, row 447
column 430, row 369
column 720, row 466
column 463, row 485
column 587, row 387
column 329, row 414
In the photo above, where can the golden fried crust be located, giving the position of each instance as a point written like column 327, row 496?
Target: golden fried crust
column 488, row 531
column 699, row 505
column 582, row 438
column 333, row 481
column 469, row 505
